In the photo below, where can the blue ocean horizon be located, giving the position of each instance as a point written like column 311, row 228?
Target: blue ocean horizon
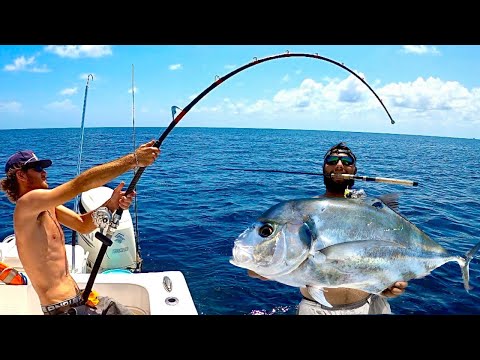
column 190, row 210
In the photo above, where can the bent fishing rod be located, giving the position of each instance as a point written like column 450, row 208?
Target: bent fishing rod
column 220, row 80
column 106, row 239
column 345, row 176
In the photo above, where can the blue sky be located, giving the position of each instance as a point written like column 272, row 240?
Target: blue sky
column 428, row 90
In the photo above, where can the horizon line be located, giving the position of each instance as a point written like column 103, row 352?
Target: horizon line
column 251, row 128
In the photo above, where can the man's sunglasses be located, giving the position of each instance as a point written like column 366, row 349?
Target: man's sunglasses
column 333, row 160
column 36, row 167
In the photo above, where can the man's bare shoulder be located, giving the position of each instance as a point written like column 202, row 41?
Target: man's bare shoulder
column 32, row 195
column 24, row 205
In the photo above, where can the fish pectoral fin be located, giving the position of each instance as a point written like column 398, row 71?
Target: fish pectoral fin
column 318, row 294
column 310, row 223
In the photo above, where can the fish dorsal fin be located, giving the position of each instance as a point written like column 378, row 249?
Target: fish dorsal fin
column 391, row 200
column 318, row 294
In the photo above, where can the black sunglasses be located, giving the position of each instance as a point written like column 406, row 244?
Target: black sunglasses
column 37, row 168
column 333, row 160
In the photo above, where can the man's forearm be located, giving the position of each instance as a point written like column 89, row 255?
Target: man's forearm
column 101, row 174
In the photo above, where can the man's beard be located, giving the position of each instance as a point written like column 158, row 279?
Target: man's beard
column 337, row 187
column 35, row 184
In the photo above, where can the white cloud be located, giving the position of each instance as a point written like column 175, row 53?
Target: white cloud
column 420, row 49
column 64, row 105
column 69, row 91
column 429, row 94
column 431, row 106
column 78, row 51
column 175, row 67
column 11, row 106
column 42, row 69
column 25, row 64
column 351, row 90
column 135, row 90
column 297, row 97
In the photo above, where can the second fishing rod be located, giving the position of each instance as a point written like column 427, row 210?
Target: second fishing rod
column 333, row 175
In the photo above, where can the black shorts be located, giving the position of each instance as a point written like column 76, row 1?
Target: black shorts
column 75, row 306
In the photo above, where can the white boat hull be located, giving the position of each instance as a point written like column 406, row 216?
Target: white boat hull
column 143, row 293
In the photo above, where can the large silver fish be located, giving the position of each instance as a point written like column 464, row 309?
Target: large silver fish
column 335, row 242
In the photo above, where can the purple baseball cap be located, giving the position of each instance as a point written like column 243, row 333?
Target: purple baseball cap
column 25, row 157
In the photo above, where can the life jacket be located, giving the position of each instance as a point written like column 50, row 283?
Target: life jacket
column 11, row 276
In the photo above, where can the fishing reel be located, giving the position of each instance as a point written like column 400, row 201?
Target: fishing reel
column 102, row 217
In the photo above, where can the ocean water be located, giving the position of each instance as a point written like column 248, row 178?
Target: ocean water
column 190, row 211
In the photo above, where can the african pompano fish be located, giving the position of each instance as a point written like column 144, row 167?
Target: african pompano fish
column 358, row 243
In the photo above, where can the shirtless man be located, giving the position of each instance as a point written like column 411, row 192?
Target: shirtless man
column 39, row 212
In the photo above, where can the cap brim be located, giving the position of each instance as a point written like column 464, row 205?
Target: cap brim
column 43, row 163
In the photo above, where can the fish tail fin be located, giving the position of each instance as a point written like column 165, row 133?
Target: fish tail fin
column 466, row 266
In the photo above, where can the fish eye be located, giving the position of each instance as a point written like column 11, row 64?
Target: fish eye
column 266, row 230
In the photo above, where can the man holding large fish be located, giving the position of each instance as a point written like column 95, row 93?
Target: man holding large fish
column 346, row 253
column 341, row 160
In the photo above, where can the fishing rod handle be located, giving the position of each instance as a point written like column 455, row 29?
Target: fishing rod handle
column 397, row 181
column 135, row 179
column 381, row 179
column 106, row 242
column 131, row 187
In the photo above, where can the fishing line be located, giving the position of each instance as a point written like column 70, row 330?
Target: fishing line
column 77, row 198
column 137, row 237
